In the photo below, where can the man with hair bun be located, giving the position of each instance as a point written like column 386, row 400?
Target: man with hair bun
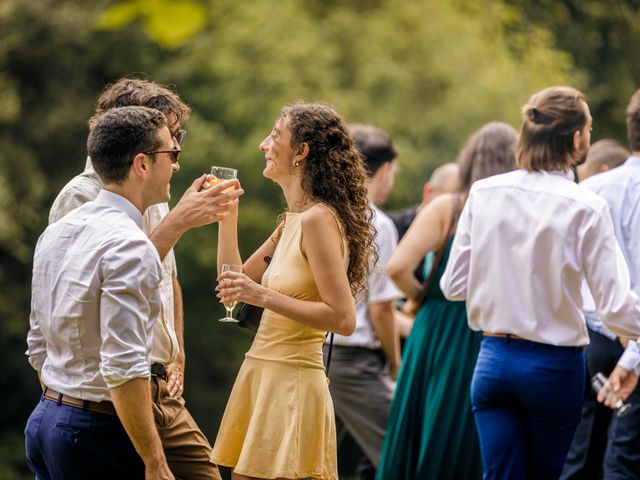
column 525, row 242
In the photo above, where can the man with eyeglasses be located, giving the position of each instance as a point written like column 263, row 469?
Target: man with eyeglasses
column 187, row 448
column 94, row 302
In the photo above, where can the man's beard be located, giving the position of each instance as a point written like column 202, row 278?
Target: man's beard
column 580, row 155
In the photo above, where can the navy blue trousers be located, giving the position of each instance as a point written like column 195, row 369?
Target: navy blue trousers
column 526, row 399
column 67, row 443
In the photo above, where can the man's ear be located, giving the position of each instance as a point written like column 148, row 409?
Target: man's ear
column 140, row 165
column 577, row 140
column 427, row 192
column 384, row 170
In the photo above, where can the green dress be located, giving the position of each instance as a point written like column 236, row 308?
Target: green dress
column 431, row 433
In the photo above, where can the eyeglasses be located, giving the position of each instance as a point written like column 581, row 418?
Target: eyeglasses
column 179, row 135
column 175, row 154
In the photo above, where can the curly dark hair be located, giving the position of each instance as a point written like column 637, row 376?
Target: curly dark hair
column 130, row 91
column 334, row 174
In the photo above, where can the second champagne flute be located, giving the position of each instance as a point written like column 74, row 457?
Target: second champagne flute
column 230, row 306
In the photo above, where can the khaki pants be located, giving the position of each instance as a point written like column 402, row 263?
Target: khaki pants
column 187, row 449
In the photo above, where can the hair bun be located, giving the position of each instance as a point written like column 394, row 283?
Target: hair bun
column 534, row 114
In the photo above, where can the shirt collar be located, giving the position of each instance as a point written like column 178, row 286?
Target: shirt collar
column 568, row 174
column 119, row 202
column 88, row 166
column 632, row 161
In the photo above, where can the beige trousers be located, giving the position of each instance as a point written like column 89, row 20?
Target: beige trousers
column 187, row 450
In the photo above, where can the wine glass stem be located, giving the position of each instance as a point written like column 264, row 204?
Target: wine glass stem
column 229, row 312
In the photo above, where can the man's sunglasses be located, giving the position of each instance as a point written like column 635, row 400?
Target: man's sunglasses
column 179, row 135
column 175, row 154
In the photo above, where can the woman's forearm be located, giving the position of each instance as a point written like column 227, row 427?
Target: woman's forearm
column 228, row 251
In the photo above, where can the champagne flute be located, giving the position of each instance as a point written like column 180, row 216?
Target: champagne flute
column 230, row 306
column 220, row 174
column 597, row 382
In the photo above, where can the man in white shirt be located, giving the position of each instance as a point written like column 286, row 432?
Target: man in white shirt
column 585, row 457
column 525, row 242
column 604, row 155
column 360, row 384
column 95, row 300
column 620, row 187
column 187, row 449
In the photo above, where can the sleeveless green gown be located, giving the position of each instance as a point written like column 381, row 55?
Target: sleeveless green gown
column 431, row 432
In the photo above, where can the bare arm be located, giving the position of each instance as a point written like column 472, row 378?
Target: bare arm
column 426, row 233
column 383, row 322
column 322, row 245
column 228, row 251
column 195, row 209
column 175, row 371
column 132, row 400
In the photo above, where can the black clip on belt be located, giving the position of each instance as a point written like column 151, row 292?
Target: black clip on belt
column 158, row 370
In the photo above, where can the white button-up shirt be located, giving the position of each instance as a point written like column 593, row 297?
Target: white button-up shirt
column 525, row 242
column 379, row 286
column 94, row 299
column 85, row 188
column 620, row 187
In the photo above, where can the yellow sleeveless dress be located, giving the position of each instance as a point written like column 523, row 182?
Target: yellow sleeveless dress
column 279, row 420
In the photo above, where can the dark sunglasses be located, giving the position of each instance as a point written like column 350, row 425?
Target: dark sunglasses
column 179, row 135
column 175, row 154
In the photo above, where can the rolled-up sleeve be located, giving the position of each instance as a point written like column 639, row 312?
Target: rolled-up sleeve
column 630, row 359
column 456, row 274
column 129, row 306
column 36, row 344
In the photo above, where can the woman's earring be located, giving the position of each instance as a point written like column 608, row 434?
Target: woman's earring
column 296, row 164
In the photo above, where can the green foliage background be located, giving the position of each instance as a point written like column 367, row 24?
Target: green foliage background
column 429, row 72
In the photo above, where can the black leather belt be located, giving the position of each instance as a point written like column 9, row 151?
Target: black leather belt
column 158, row 370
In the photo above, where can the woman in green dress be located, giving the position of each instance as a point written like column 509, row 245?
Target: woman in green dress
column 431, row 432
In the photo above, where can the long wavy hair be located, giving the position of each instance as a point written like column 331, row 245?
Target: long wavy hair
column 334, row 174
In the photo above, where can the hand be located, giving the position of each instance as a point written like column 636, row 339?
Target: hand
column 619, row 385
column 175, row 377
column 202, row 207
column 624, row 341
column 235, row 286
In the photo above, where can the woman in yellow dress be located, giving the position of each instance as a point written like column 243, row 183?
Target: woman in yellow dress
column 279, row 420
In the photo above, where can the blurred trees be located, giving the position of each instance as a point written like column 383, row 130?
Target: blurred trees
column 428, row 72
